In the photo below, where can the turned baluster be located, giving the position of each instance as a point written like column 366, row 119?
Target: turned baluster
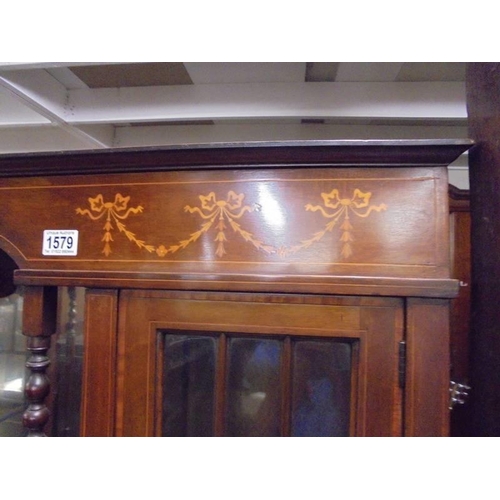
column 39, row 323
column 37, row 387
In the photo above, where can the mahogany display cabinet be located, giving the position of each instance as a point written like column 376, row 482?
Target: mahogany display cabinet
column 243, row 289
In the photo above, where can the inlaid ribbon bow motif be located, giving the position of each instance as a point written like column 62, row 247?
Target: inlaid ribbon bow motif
column 358, row 205
column 115, row 211
column 216, row 212
column 222, row 214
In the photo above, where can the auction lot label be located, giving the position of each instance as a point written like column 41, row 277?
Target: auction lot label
column 62, row 242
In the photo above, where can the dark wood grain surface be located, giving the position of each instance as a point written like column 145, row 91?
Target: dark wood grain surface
column 460, row 312
column 99, row 382
column 311, row 239
column 483, row 104
column 303, row 226
column 235, row 155
column 376, row 324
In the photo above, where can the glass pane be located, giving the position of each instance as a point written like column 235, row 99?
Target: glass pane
column 188, row 385
column 12, row 366
column 321, row 388
column 65, row 371
column 253, row 388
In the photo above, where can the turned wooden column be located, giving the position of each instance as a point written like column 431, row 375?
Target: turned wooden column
column 39, row 323
column 483, row 106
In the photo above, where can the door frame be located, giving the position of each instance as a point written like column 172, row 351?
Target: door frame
column 377, row 323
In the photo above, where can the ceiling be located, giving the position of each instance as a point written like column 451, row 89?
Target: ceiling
column 74, row 106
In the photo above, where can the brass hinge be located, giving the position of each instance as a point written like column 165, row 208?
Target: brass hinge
column 402, row 364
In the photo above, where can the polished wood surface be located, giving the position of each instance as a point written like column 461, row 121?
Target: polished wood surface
column 324, row 239
column 460, row 312
column 376, row 324
column 98, row 391
column 255, row 227
column 329, row 284
column 39, row 323
column 428, row 368
column 236, row 155
column 483, row 103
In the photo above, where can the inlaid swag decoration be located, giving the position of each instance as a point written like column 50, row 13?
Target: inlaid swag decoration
column 218, row 212
column 218, row 215
column 114, row 213
column 358, row 205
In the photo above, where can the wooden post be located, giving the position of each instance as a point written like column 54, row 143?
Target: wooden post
column 39, row 323
column 483, row 105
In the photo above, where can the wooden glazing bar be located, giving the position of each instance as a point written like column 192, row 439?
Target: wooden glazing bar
column 354, row 387
column 286, row 387
column 220, row 386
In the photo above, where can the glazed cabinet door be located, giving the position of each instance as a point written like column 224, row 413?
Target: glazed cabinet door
column 219, row 364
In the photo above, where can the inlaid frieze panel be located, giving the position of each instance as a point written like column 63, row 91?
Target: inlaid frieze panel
column 382, row 222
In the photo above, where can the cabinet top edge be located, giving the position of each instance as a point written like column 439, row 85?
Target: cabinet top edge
column 274, row 154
